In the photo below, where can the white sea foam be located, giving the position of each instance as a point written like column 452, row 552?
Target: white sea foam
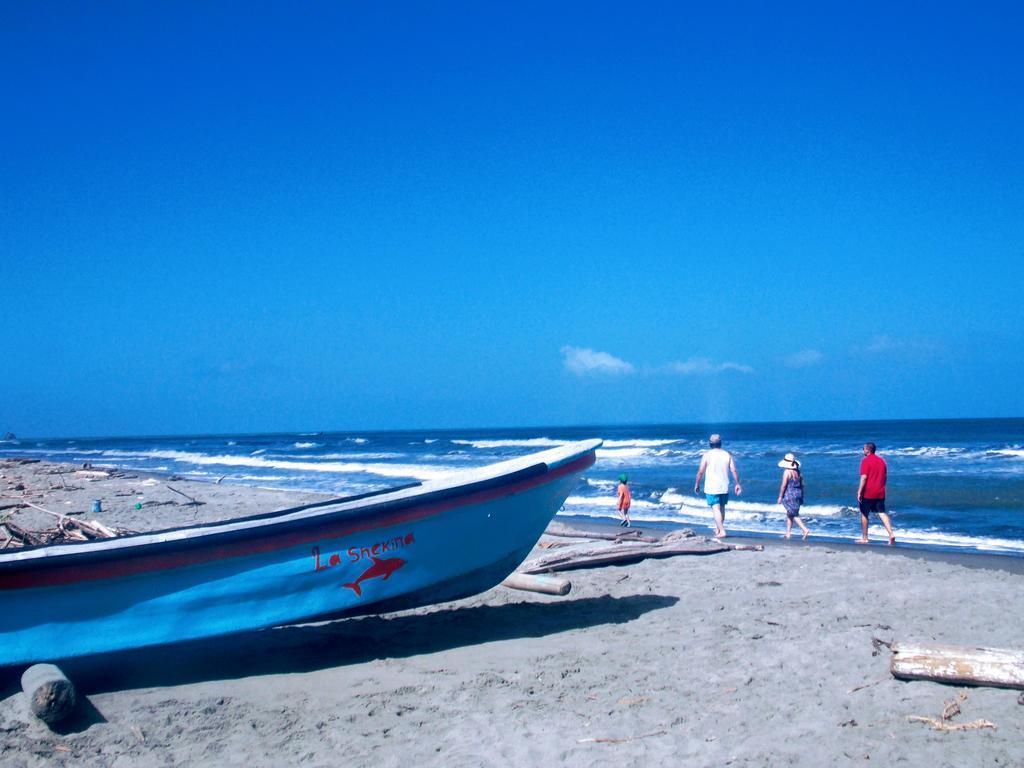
column 758, row 517
column 639, row 443
column 647, row 456
column 652, row 512
column 658, row 510
column 957, row 453
column 343, row 456
column 306, row 445
column 931, row 451
column 116, row 456
column 258, row 452
column 534, row 442
column 607, row 503
column 924, row 451
column 624, row 453
column 357, row 440
column 647, row 518
column 689, row 504
column 938, row 538
column 47, row 451
column 417, row 471
column 1017, row 453
column 747, row 522
column 262, row 478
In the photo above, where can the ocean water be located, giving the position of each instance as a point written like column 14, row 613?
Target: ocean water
column 953, row 484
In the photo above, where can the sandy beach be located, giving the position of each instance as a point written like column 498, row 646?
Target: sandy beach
column 777, row 657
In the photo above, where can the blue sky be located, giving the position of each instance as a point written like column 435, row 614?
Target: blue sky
column 330, row 216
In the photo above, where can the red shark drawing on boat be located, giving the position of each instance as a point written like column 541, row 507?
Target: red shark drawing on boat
column 383, row 568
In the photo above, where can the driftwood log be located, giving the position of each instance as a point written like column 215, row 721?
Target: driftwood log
column 20, row 536
column 547, row 585
column 102, row 529
column 67, row 529
column 623, row 534
column 192, row 501
column 51, row 696
column 92, row 530
column 92, row 474
column 590, row 555
column 958, row 664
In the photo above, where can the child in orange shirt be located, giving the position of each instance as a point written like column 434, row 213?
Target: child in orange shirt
column 625, row 497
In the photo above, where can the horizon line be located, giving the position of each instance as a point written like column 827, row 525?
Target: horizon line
column 613, row 425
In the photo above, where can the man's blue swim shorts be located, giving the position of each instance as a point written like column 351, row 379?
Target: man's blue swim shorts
column 717, row 498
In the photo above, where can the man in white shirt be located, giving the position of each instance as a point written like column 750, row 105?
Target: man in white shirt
column 715, row 466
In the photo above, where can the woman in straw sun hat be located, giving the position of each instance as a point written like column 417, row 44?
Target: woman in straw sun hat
column 791, row 493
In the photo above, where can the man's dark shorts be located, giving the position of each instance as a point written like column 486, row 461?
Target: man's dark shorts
column 868, row 506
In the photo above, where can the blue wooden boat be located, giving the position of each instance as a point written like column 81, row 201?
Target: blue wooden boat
column 388, row 550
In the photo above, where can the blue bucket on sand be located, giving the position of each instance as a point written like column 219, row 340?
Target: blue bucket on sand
column 97, row 506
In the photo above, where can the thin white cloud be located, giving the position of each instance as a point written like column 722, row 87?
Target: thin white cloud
column 883, row 344
column 582, row 362
column 701, row 366
column 234, row 369
column 741, row 367
column 880, row 344
column 803, row 358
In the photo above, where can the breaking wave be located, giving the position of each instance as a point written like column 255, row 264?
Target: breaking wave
column 416, row 471
column 1017, row 453
column 534, row 442
column 640, row 443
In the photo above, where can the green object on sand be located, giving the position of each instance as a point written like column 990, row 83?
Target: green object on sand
column 138, row 505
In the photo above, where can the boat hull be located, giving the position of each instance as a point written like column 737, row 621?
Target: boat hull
column 411, row 553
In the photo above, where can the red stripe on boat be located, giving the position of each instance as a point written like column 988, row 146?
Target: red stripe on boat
column 58, row 574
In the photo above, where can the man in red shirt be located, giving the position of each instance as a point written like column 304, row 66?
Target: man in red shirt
column 871, row 492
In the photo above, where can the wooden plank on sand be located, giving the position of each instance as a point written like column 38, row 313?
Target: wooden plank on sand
column 587, row 555
column 958, row 664
column 622, row 534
